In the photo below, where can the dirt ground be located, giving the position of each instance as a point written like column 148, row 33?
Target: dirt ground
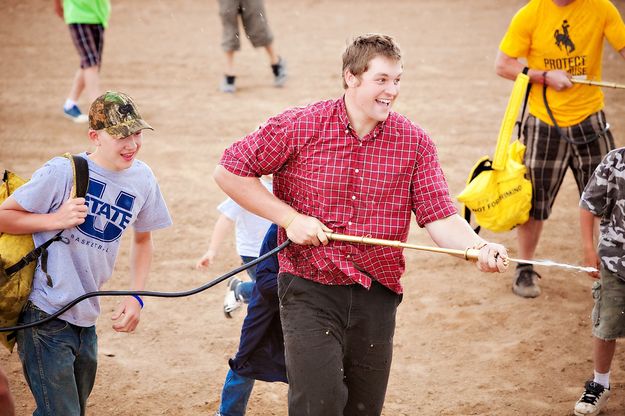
column 464, row 345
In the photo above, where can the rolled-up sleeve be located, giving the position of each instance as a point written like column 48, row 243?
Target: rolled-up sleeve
column 262, row 152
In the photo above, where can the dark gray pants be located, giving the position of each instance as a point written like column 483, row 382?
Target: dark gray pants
column 339, row 346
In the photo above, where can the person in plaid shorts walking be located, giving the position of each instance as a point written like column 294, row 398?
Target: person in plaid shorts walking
column 87, row 21
column 566, row 126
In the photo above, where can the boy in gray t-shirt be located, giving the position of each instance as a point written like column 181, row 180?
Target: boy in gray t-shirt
column 59, row 358
column 604, row 197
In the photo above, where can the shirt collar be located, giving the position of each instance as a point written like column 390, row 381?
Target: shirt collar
column 344, row 120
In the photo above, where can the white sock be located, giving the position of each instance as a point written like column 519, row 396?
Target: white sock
column 68, row 104
column 603, row 379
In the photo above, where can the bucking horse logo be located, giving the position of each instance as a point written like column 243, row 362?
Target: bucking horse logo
column 563, row 39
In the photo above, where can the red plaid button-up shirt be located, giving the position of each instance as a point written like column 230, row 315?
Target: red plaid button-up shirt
column 355, row 186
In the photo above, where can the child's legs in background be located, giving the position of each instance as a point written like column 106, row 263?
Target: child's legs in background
column 235, row 394
column 244, row 289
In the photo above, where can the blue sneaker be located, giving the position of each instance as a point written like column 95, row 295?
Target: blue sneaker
column 75, row 115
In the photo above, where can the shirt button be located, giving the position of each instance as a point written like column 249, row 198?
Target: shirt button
column 349, row 223
column 353, row 196
column 348, row 257
column 356, row 170
column 346, row 131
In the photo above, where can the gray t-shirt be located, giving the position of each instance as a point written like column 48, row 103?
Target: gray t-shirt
column 604, row 196
column 116, row 200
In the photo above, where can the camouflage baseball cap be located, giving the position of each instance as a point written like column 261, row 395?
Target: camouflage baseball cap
column 116, row 113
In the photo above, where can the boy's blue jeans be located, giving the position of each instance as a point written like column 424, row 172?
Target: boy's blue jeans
column 59, row 362
column 235, row 394
column 244, row 289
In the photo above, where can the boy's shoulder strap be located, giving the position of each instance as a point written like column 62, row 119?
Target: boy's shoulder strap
column 80, row 167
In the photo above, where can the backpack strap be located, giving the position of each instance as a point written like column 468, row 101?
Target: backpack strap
column 563, row 136
column 483, row 165
column 80, row 169
column 519, row 123
column 81, row 174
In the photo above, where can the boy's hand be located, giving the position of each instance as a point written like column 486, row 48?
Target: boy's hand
column 592, row 259
column 129, row 311
column 72, row 213
column 206, row 260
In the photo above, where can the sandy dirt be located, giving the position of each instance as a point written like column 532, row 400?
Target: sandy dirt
column 464, row 345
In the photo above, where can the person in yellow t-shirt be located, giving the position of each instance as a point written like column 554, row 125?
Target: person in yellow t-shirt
column 566, row 127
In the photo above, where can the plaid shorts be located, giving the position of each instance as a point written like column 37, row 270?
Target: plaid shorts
column 548, row 156
column 89, row 42
column 608, row 319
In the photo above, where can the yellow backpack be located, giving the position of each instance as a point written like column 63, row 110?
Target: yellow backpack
column 18, row 253
column 497, row 192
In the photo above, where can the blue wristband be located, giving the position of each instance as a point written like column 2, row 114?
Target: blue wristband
column 138, row 300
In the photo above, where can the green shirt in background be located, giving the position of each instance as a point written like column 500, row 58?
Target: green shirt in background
column 87, row 11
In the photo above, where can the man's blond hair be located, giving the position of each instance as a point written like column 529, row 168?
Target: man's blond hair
column 364, row 48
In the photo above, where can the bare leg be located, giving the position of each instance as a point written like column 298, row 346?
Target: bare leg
column 273, row 57
column 603, row 352
column 91, row 78
column 87, row 80
column 229, row 68
column 78, row 85
column 528, row 235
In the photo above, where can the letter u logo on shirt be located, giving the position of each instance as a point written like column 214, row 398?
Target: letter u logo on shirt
column 106, row 222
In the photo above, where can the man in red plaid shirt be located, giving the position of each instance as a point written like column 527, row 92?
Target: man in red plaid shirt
column 351, row 166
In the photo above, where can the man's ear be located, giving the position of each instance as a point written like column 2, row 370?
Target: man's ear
column 350, row 79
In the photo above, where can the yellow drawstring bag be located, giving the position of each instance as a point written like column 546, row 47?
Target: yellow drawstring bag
column 18, row 253
column 497, row 192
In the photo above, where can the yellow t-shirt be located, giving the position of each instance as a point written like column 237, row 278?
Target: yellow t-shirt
column 569, row 38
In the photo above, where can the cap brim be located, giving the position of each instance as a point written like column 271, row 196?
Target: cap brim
column 129, row 128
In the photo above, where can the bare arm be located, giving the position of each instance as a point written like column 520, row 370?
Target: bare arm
column 129, row 310
column 223, row 227
column 622, row 52
column 7, row 405
column 509, row 67
column 587, row 221
column 250, row 194
column 455, row 233
column 14, row 219
column 58, row 8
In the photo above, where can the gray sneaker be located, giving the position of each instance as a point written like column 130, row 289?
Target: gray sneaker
column 525, row 282
column 593, row 399
column 226, row 86
column 280, row 74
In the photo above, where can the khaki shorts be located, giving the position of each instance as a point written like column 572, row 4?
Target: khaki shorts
column 254, row 23
column 608, row 319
